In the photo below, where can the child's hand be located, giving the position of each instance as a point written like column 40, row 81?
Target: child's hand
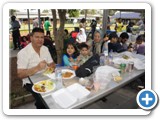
column 78, row 58
column 71, row 59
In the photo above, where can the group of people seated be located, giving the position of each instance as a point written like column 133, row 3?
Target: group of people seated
column 35, row 57
column 83, row 50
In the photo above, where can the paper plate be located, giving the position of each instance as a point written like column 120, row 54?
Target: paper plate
column 68, row 74
column 44, row 86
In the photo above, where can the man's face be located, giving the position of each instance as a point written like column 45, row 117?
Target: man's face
column 124, row 40
column 37, row 39
column 114, row 40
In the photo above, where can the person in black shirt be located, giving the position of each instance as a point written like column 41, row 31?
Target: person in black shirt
column 93, row 26
column 114, row 46
column 15, row 32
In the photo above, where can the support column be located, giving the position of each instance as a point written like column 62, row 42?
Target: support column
column 105, row 20
column 28, row 21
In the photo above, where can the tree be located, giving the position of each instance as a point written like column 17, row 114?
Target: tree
column 112, row 12
column 45, row 11
column 73, row 13
column 12, row 12
column 58, row 33
column 93, row 12
column 82, row 12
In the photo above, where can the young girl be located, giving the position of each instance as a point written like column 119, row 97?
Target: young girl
column 84, row 54
column 105, row 44
column 24, row 41
column 70, row 56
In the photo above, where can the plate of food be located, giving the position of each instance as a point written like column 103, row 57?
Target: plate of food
column 68, row 74
column 49, row 70
column 126, row 57
column 44, row 86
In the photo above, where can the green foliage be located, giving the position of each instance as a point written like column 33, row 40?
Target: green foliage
column 12, row 12
column 73, row 12
column 45, row 11
column 82, row 12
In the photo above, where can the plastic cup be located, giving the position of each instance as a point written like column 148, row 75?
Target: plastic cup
column 74, row 67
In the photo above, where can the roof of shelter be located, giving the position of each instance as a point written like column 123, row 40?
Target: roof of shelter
column 127, row 15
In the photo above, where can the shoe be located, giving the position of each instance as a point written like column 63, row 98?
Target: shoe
column 39, row 105
column 19, row 48
column 14, row 48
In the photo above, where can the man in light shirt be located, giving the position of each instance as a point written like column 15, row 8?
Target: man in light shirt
column 34, row 58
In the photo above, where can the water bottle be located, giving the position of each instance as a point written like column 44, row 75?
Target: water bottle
column 102, row 60
column 105, row 52
column 58, row 75
column 111, row 57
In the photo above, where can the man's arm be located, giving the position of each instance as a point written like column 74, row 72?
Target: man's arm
column 23, row 73
column 52, row 65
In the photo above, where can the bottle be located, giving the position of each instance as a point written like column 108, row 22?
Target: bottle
column 102, row 60
column 105, row 52
column 58, row 75
column 111, row 57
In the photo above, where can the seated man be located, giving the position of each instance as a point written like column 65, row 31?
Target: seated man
column 32, row 59
column 123, row 40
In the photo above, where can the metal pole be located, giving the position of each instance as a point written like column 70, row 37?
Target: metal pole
column 105, row 20
column 85, row 17
column 39, row 18
column 28, row 20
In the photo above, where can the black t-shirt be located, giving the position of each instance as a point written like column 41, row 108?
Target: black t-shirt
column 115, row 47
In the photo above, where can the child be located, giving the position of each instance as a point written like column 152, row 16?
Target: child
column 105, row 42
column 84, row 54
column 139, row 47
column 70, row 56
column 24, row 41
column 123, row 39
column 81, row 36
column 114, row 45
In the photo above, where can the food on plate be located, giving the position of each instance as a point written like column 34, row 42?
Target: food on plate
column 49, row 70
column 43, row 86
column 125, row 57
column 117, row 78
column 67, row 74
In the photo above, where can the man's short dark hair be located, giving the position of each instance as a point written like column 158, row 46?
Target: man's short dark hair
column 36, row 29
column 113, row 35
column 124, row 35
column 47, row 18
column 140, row 38
column 13, row 18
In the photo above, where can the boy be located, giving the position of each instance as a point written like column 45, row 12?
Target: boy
column 84, row 54
column 114, row 45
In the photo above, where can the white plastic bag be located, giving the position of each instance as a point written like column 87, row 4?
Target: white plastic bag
column 103, row 75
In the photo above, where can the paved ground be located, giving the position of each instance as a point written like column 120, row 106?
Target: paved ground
column 13, row 53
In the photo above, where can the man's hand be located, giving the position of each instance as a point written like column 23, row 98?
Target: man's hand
column 42, row 65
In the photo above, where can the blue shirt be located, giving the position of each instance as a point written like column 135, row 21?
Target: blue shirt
column 65, row 60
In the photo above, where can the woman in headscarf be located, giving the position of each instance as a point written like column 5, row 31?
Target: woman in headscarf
column 81, row 36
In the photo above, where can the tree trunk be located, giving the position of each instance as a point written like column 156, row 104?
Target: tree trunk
column 58, row 33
